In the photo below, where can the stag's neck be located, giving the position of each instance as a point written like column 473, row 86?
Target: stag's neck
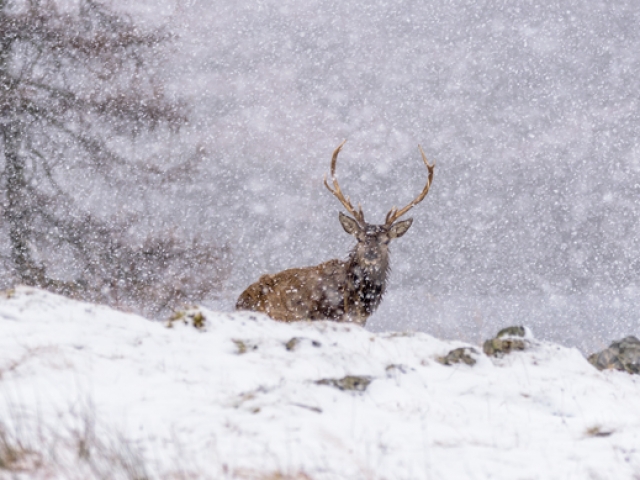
column 369, row 273
column 367, row 282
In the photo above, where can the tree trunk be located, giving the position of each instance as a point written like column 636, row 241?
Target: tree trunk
column 17, row 212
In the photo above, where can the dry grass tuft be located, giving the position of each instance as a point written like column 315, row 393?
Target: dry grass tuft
column 246, row 474
column 14, row 455
column 598, row 431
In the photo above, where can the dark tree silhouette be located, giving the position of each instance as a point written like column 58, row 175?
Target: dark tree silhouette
column 73, row 85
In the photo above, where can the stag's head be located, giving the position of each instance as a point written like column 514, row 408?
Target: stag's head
column 373, row 240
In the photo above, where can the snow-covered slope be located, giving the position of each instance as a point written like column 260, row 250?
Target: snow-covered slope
column 89, row 392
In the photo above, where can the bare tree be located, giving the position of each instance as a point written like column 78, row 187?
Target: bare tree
column 74, row 83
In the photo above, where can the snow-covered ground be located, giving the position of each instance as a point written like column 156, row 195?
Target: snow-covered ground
column 89, row 392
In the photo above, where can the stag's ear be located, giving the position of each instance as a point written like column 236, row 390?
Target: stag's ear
column 349, row 224
column 400, row 228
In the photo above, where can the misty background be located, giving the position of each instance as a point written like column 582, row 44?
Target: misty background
column 529, row 109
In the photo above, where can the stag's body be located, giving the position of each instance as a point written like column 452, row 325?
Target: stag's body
column 343, row 291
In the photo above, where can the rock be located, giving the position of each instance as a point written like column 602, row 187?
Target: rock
column 465, row 355
column 243, row 346
column 623, row 355
column 295, row 341
column 396, row 369
column 292, row 344
column 358, row 383
column 516, row 331
column 506, row 341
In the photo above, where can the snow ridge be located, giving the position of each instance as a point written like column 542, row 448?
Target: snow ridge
column 246, row 397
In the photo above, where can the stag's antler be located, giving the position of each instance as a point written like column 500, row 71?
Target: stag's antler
column 394, row 213
column 358, row 215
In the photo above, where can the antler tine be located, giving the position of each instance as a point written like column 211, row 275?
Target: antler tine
column 394, row 213
column 334, row 158
column 358, row 215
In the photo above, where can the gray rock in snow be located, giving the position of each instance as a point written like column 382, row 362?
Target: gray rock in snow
column 506, row 341
column 466, row 355
column 357, row 383
column 622, row 355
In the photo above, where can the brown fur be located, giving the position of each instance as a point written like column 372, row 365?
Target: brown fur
column 343, row 291
column 312, row 293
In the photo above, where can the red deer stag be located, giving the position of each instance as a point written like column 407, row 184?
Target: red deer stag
column 343, row 291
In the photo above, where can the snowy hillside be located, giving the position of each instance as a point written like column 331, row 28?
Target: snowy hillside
column 89, row 392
